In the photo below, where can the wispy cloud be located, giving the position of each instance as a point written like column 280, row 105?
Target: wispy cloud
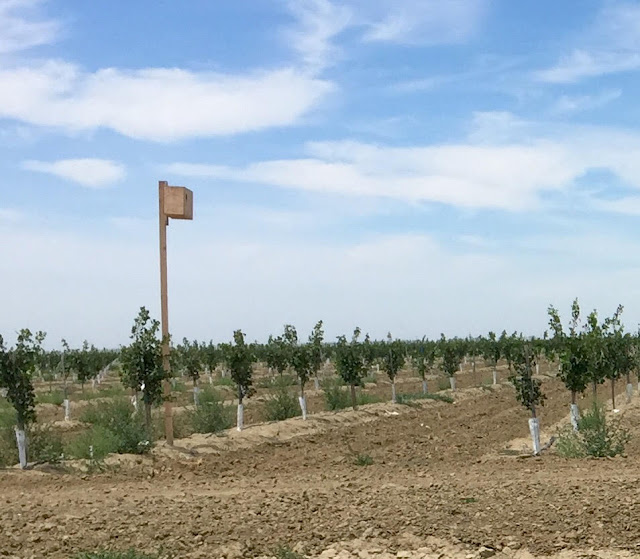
column 92, row 173
column 318, row 23
column 611, row 46
column 21, row 26
column 422, row 22
column 578, row 103
column 506, row 164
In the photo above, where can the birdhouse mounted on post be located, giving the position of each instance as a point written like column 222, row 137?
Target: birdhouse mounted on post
column 178, row 202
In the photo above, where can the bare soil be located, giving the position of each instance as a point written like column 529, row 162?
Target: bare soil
column 444, row 482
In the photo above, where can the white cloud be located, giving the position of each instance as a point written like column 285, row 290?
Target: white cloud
column 470, row 176
column 572, row 104
column 20, row 27
column 421, row 22
column 505, row 164
column 611, row 46
column 92, row 173
column 156, row 104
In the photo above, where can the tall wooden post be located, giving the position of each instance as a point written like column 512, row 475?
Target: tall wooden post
column 164, row 305
column 174, row 202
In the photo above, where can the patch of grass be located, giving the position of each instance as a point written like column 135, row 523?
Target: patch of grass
column 365, row 398
column 126, row 429
column 282, row 404
column 8, row 445
column 596, row 436
column 56, row 398
column 279, row 380
column 131, row 554
column 336, row 395
column 114, row 391
column 370, row 379
column 443, row 383
column 409, row 399
column 285, row 552
column 44, row 445
column 211, row 416
column 363, row 460
column 223, row 381
column 469, row 500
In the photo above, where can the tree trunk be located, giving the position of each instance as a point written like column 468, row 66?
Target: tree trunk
column 424, row 386
column 594, row 387
column 495, row 375
column 393, row 391
column 147, row 417
column 613, row 393
column 452, row 382
column 21, row 440
column 240, row 416
column 354, row 399
column 629, row 388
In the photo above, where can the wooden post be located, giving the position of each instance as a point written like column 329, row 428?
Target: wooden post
column 164, row 304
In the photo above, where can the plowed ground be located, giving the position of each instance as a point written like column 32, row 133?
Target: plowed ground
column 438, row 470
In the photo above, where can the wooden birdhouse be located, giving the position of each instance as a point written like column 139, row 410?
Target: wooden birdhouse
column 178, row 202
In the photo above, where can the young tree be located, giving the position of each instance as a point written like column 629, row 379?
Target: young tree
column 142, row 362
column 392, row 361
column 574, row 356
column 211, row 358
column 17, row 365
column 317, row 355
column 350, row 363
column 276, row 355
column 65, row 371
column 79, row 361
column 450, row 359
column 528, row 391
column 192, row 364
column 491, row 352
column 423, row 359
column 302, row 364
column 240, row 361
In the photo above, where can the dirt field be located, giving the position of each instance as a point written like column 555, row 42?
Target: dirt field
column 440, row 486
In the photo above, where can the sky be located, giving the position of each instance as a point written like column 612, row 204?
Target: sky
column 405, row 166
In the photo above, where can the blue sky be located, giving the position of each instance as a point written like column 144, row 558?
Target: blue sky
column 414, row 166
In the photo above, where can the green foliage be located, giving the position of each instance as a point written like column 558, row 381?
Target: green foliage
column 393, row 357
column 528, row 389
column 189, row 358
column 491, row 350
column 211, row 416
column 281, row 405
column 45, row 444
column 350, row 362
column 423, row 357
column 103, row 440
column 210, row 356
column 450, row 355
column 364, row 398
column 17, row 366
column 572, row 349
column 596, row 436
column 56, row 398
column 240, row 361
column 142, row 361
column 126, row 427
column 301, row 361
column 315, row 347
column 363, row 460
column 408, row 399
column 276, row 354
column 335, row 395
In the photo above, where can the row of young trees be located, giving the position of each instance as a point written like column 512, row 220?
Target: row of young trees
column 589, row 352
column 26, row 360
